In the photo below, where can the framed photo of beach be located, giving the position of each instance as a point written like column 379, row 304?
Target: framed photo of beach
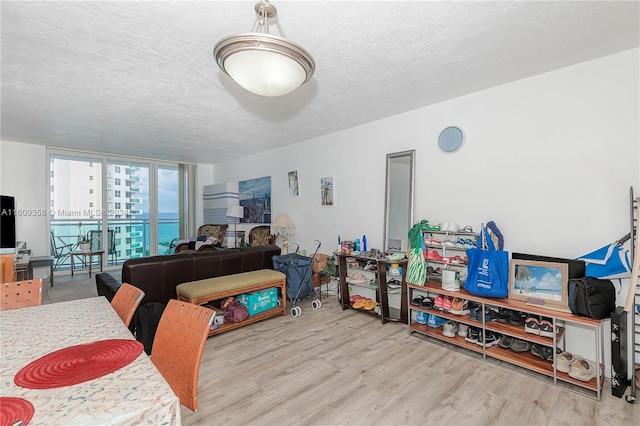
column 542, row 284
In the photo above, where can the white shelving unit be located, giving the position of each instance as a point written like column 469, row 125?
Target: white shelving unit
column 448, row 249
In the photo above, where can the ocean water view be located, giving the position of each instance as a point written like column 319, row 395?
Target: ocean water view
column 167, row 230
column 132, row 236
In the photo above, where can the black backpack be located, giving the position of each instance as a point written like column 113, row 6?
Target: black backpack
column 592, row 297
column 145, row 323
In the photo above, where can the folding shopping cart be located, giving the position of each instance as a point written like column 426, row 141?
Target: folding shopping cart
column 299, row 272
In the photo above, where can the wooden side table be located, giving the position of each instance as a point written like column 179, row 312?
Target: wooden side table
column 83, row 255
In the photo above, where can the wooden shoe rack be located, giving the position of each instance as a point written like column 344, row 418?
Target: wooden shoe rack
column 524, row 361
column 379, row 294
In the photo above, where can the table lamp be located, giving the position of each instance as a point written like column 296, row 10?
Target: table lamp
column 236, row 212
column 284, row 227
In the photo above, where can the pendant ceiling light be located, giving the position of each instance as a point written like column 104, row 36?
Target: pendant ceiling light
column 263, row 63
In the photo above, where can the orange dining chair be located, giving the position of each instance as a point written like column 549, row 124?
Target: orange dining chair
column 126, row 301
column 20, row 294
column 178, row 345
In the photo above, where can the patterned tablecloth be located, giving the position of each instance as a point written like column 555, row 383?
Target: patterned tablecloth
column 135, row 394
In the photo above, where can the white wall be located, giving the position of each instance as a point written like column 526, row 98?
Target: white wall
column 23, row 169
column 550, row 159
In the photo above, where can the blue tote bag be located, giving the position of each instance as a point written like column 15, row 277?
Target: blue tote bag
column 488, row 270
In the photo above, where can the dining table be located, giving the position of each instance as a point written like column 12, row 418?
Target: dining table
column 134, row 394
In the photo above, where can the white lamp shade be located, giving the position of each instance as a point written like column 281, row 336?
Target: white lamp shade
column 265, row 73
column 264, row 64
column 235, row 211
column 283, row 226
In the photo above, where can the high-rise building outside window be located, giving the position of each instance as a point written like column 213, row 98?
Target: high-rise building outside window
column 87, row 196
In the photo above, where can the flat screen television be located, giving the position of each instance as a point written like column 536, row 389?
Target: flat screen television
column 7, row 222
column 576, row 267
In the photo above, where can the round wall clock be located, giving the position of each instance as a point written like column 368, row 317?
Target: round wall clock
column 451, row 139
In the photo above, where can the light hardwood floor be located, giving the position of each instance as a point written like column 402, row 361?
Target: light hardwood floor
column 334, row 367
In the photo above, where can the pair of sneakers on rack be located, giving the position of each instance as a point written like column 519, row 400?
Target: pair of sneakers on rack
column 476, row 313
column 576, row 366
column 430, row 319
column 444, row 303
column 516, row 345
column 422, row 301
column 451, row 328
column 487, row 339
column 540, row 326
column 435, row 321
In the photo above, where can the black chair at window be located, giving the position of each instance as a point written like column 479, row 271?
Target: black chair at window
column 95, row 237
column 60, row 250
column 173, row 244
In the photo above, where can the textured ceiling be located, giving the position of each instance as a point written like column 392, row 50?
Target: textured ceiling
column 139, row 78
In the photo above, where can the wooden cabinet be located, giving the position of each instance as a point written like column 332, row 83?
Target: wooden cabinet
column 6, row 267
column 376, row 287
column 523, row 360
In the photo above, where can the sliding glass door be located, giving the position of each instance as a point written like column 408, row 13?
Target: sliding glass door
column 137, row 202
column 76, row 202
column 168, row 202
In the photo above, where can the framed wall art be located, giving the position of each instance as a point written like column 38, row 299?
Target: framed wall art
column 255, row 197
column 327, row 191
column 538, row 283
column 294, row 183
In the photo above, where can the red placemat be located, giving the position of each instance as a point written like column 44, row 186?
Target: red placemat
column 77, row 364
column 14, row 409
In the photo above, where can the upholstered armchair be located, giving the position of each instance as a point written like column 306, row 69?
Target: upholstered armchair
column 200, row 247
column 214, row 238
column 261, row 236
column 216, row 231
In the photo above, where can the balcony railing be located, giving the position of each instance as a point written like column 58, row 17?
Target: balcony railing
column 138, row 232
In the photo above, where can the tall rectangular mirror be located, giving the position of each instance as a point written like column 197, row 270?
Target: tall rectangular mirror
column 398, row 212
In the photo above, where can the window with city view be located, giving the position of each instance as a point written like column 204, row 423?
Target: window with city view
column 87, row 198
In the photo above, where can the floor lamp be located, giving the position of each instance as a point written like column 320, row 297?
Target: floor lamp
column 236, row 212
column 284, row 227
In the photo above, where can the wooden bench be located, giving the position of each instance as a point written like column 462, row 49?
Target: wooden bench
column 203, row 291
